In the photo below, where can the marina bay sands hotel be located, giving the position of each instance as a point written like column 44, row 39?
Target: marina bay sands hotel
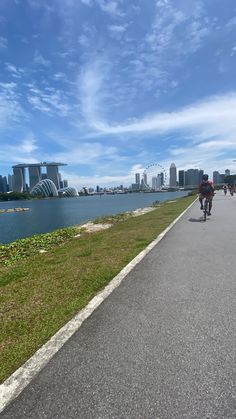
column 35, row 174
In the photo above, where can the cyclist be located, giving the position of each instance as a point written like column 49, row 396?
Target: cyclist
column 225, row 189
column 231, row 190
column 206, row 190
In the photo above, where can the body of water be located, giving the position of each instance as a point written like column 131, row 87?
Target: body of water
column 50, row 214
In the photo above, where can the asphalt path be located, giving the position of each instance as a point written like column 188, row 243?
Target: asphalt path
column 162, row 345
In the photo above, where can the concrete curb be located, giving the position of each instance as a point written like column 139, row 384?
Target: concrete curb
column 15, row 384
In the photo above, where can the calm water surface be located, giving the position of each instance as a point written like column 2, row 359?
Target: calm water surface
column 51, row 214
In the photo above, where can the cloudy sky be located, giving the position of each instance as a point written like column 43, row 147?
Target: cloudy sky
column 112, row 86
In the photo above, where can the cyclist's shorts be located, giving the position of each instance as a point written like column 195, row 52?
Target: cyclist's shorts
column 209, row 197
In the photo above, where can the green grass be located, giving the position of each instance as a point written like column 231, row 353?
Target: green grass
column 40, row 292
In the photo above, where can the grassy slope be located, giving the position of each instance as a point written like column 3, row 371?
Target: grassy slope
column 42, row 292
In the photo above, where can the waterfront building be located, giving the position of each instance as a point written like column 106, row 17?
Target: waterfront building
column 181, row 178
column 10, row 179
column 201, row 173
column 68, row 192
column 218, row 178
column 34, row 175
column 192, row 177
column 19, row 178
column 137, row 178
column 227, row 172
column 162, row 178
column 145, row 179
column 222, row 178
column 154, row 183
column 173, row 177
column 45, row 188
column 135, row 187
column 3, row 184
column 53, row 174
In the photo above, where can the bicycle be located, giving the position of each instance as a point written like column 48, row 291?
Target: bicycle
column 205, row 208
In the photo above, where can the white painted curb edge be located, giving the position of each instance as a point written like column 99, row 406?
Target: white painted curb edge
column 15, row 384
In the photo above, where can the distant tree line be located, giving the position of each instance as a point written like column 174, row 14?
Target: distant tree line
column 14, row 196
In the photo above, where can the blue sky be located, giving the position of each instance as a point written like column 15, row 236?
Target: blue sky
column 111, row 86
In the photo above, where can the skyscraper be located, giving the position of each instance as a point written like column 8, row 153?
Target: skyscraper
column 10, row 182
column 53, row 174
column 144, row 179
column 137, row 178
column 34, row 175
column 173, row 175
column 181, row 178
column 19, row 178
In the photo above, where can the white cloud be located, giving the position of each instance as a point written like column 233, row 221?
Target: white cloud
column 85, row 153
column 49, row 101
column 233, row 52
column 15, row 72
column 214, row 115
column 90, row 88
column 231, row 22
column 40, row 60
column 28, row 144
column 11, row 111
column 87, row 2
column 111, row 7
column 117, row 28
column 3, row 42
column 59, row 76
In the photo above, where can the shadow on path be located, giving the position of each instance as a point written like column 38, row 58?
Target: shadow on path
column 196, row 220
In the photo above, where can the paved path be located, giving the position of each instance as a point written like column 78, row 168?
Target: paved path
column 162, row 345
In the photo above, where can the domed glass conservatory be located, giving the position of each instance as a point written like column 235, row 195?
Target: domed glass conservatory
column 68, row 192
column 46, row 188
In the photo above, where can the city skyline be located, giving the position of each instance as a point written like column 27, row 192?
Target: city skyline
column 159, row 177
column 111, row 86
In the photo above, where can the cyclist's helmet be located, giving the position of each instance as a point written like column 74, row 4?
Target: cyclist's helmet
column 205, row 177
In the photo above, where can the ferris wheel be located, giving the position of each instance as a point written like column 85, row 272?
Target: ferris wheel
column 154, row 177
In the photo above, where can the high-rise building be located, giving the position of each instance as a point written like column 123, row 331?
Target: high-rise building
column 227, row 172
column 162, row 178
column 201, row 173
column 10, row 182
column 181, row 178
column 137, row 178
column 3, row 184
column 192, row 177
column 145, row 179
column 173, row 176
column 34, row 175
column 154, row 183
column 19, row 178
column 216, row 177
column 53, row 174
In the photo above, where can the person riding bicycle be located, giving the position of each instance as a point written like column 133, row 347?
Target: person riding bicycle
column 206, row 190
column 225, row 189
column 231, row 189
